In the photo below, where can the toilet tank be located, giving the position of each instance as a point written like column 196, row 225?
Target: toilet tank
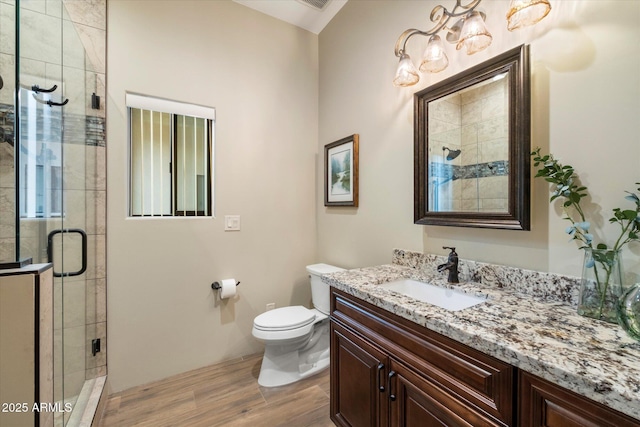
column 319, row 289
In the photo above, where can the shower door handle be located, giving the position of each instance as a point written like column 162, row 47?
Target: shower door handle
column 84, row 250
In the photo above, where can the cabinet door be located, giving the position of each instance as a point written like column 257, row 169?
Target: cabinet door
column 358, row 372
column 545, row 404
column 417, row 402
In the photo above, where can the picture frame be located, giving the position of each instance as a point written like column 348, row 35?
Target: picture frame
column 341, row 172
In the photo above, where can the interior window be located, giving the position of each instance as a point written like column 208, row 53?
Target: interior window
column 171, row 157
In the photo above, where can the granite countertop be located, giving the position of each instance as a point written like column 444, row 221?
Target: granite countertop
column 545, row 337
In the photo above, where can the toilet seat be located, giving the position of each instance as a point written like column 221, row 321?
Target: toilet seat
column 284, row 319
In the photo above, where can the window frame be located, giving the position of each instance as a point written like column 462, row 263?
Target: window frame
column 175, row 109
column 174, row 178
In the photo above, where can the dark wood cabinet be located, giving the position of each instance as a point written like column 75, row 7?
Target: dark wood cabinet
column 388, row 371
column 543, row 403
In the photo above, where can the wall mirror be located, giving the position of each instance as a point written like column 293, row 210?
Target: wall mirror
column 472, row 146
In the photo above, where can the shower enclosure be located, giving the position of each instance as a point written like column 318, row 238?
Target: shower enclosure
column 52, row 175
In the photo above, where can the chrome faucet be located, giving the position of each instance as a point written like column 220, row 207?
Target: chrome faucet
column 451, row 265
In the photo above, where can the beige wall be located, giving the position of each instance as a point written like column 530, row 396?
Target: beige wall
column 261, row 75
column 585, row 106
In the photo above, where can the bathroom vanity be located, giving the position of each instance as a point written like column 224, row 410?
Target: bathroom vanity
column 516, row 359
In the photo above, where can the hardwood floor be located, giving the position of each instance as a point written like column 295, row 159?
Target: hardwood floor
column 226, row 394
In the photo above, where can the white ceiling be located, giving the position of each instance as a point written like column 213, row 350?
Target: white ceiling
column 297, row 13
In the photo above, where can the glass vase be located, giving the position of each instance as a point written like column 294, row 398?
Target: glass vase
column 629, row 311
column 601, row 285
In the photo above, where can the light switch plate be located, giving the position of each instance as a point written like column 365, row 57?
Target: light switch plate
column 232, row 223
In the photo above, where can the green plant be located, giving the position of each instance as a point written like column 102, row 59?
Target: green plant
column 566, row 188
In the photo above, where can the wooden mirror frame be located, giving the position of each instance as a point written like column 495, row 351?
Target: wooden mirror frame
column 515, row 62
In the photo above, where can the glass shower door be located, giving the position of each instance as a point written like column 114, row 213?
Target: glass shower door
column 51, row 182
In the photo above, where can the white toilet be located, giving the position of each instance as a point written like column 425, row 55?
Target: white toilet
column 296, row 338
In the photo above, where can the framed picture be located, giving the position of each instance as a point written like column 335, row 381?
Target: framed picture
column 341, row 172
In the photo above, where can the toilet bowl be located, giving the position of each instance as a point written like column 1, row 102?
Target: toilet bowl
column 296, row 338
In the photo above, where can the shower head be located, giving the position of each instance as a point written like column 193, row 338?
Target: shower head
column 452, row 153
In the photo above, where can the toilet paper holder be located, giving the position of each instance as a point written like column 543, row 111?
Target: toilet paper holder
column 217, row 285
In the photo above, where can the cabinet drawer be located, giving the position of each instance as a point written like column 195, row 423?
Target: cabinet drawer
column 474, row 378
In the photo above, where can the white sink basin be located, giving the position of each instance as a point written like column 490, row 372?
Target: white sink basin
column 436, row 295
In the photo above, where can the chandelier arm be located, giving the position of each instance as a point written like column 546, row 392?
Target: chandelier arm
column 465, row 8
column 441, row 16
column 401, row 43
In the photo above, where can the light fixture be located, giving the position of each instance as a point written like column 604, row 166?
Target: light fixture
column 434, row 58
column 474, row 35
column 468, row 32
column 526, row 12
column 406, row 75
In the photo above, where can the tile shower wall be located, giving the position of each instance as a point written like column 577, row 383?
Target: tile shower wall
column 485, row 141
column 7, row 186
column 476, row 123
column 82, row 24
column 445, row 119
